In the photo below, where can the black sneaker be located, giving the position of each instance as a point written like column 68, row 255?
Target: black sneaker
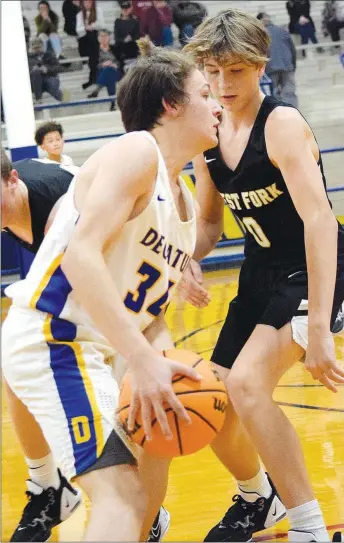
column 46, row 509
column 338, row 325
column 244, row 519
column 160, row 525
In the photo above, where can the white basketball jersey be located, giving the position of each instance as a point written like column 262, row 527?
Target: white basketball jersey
column 146, row 262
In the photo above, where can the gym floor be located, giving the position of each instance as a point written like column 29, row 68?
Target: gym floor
column 200, row 489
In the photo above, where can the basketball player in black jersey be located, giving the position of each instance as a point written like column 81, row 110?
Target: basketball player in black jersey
column 268, row 169
column 31, row 191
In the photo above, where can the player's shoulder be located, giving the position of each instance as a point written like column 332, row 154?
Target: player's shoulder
column 138, row 140
column 283, row 116
column 134, row 151
column 285, row 123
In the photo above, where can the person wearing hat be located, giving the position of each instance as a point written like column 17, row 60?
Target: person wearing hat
column 44, row 67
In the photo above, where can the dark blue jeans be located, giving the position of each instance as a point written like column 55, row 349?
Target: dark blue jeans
column 42, row 82
column 108, row 77
column 307, row 33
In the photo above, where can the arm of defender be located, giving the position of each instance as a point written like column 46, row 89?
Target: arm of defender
column 292, row 148
column 117, row 186
column 210, row 217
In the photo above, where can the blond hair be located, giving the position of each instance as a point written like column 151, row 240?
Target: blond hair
column 233, row 33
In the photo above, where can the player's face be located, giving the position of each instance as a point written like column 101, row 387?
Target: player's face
column 53, row 143
column 8, row 199
column 233, row 83
column 201, row 114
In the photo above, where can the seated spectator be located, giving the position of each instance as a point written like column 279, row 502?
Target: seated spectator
column 89, row 20
column 108, row 72
column 301, row 21
column 187, row 16
column 282, row 61
column 333, row 18
column 47, row 26
column 49, row 137
column 27, row 32
column 126, row 32
column 157, row 23
column 44, row 67
column 70, row 9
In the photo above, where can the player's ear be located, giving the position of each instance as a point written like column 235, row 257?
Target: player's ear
column 173, row 110
column 13, row 180
column 261, row 70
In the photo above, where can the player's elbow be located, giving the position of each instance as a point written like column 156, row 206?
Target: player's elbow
column 322, row 218
column 78, row 258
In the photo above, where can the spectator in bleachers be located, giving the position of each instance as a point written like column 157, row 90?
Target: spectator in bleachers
column 282, row 61
column 126, row 32
column 89, row 20
column 44, row 68
column 70, row 9
column 301, row 21
column 47, row 23
column 139, row 10
column 333, row 18
column 49, row 137
column 27, row 32
column 157, row 23
column 187, row 16
column 108, row 71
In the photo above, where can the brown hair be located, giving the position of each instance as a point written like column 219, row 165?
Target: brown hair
column 93, row 14
column 160, row 73
column 6, row 165
column 230, row 32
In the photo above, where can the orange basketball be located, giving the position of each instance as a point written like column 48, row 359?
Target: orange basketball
column 205, row 402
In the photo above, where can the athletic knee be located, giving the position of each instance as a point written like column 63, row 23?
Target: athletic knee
column 243, row 391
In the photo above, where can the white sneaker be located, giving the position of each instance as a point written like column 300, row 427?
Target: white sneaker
column 160, row 526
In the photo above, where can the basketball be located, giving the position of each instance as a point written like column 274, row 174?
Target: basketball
column 205, row 402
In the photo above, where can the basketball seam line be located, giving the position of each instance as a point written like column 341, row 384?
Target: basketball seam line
column 181, row 393
column 200, row 391
column 180, row 445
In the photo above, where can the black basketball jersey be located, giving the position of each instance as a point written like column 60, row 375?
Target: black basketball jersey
column 46, row 183
column 257, row 194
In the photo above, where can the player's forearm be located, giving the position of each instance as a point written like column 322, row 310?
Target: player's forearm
column 95, row 289
column 158, row 334
column 321, row 238
column 208, row 235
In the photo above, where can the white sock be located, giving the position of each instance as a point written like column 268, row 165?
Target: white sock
column 308, row 518
column 257, row 485
column 43, row 471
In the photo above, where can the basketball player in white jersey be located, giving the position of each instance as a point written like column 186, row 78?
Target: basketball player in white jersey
column 117, row 247
column 31, row 192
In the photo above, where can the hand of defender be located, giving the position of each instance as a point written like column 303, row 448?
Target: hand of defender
column 321, row 361
column 191, row 287
column 151, row 386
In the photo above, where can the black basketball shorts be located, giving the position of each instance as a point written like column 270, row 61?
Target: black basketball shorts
column 272, row 294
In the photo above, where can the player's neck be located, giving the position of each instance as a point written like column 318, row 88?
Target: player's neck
column 21, row 217
column 55, row 158
column 175, row 151
column 246, row 115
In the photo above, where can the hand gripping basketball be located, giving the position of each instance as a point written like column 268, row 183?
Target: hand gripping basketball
column 179, row 418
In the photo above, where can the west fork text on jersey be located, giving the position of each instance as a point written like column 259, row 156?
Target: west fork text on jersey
column 255, row 198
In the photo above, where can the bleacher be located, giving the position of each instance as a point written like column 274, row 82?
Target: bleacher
column 319, row 77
